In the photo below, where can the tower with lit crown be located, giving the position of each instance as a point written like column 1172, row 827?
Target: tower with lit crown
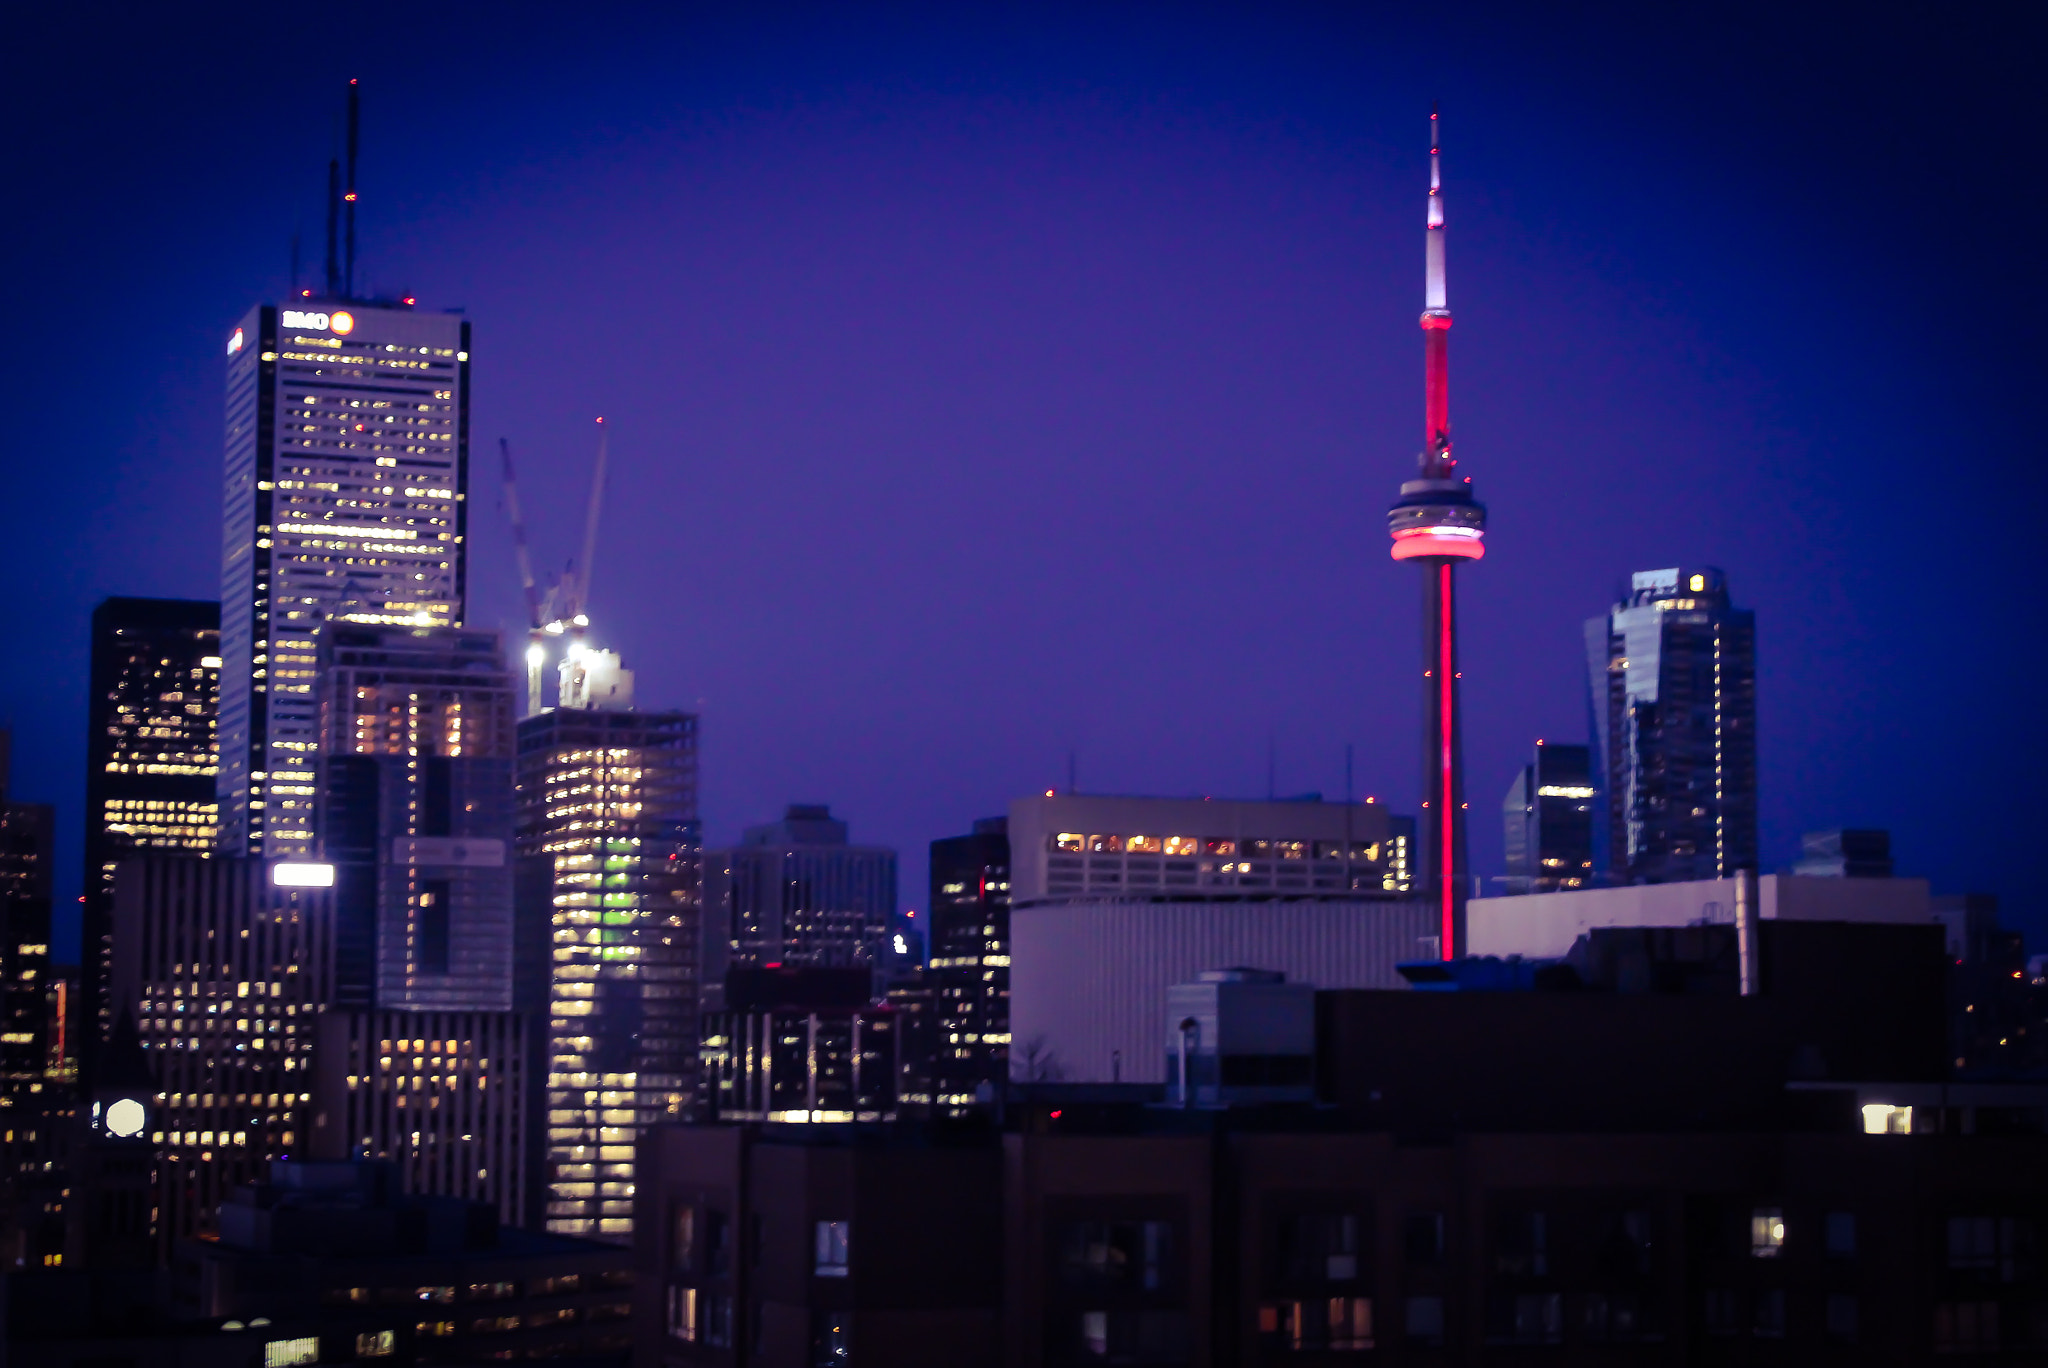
column 1436, row 523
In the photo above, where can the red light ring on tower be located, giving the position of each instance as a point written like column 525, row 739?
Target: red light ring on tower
column 1466, row 543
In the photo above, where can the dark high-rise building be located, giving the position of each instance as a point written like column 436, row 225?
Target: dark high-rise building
column 27, row 840
column 422, row 1060
column 417, row 746
column 28, row 833
column 226, row 964
column 607, row 817
column 969, row 968
column 794, row 892
column 152, row 756
column 1673, row 674
column 1548, row 815
column 800, row 1046
column 27, row 1022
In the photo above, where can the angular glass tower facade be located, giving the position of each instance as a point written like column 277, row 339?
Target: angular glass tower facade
column 152, row 759
column 607, row 802
column 347, row 465
column 1672, row 668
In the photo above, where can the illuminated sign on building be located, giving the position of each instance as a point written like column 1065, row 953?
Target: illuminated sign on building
column 292, row 874
column 235, row 342
column 340, row 321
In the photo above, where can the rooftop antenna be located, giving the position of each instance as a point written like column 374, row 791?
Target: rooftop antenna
column 333, row 227
column 348, row 278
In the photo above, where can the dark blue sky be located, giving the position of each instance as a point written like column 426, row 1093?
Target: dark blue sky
column 989, row 382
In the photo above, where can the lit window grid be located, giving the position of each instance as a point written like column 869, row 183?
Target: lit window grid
column 441, row 1094
column 613, row 919
column 358, row 518
column 227, row 979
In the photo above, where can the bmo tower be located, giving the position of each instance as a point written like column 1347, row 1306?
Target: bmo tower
column 347, row 465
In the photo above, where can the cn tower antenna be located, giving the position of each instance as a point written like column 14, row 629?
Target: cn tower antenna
column 1437, row 523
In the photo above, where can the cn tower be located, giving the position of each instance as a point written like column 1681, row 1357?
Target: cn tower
column 1436, row 523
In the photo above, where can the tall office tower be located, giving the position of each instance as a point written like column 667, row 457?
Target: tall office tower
column 347, row 462
column 443, row 1096
column 28, row 833
column 225, row 964
column 794, row 892
column 422, row 1059
column 152, row 759
column 27, row 846
column 416, row 753
column 27, row 1024
column 969, row 968
column 608, row 799
column 1673, row 674
column 1437, row 523
column 1548, row 815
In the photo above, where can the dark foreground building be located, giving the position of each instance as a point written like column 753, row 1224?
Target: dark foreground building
column 329, row 1263
column 1633, row 1162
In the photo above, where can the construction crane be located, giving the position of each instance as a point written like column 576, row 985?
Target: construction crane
column 564, row 607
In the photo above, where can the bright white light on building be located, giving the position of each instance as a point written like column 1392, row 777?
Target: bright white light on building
column 536, row 653
column 299, row 874
column 125, row 1118
column 1882, row 1118
column 209, row 662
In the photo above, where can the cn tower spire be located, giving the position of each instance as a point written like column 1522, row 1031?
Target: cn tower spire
column 1436, row 321
column 1437, row 523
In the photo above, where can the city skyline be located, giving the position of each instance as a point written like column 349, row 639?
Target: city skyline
column 897, row 580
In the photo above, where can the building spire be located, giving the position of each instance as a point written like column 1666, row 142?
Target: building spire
column 1436, row 321
column 1434, row 300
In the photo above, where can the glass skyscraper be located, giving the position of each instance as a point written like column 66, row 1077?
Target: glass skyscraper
column 607, row 815
column 347, row 465
column 1672, row 669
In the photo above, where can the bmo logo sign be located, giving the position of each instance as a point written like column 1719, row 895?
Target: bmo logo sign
column 340, row 321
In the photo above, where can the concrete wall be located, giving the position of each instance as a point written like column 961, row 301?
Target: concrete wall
column 1088, row 981
column 1543, row 925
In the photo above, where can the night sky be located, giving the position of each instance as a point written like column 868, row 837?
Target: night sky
column 992, row 383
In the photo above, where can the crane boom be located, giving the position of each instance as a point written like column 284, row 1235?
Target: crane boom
column 518, row 517
column 579, row 605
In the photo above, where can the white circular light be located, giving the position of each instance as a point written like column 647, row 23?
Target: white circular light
column 125, row 1118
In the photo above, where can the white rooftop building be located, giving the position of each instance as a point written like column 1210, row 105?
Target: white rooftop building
column 1115, row 900
column 1545, row 925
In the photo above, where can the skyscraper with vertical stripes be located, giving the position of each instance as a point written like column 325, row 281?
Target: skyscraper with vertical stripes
column 345, row 501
